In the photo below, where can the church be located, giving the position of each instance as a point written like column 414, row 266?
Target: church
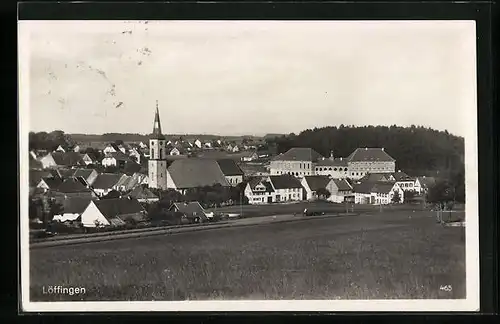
column 157, row 164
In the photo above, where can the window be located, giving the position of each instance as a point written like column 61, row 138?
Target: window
column 334, row 169
column 152, row 153
column 160, row 152
column 330, row 169
column 345, row 169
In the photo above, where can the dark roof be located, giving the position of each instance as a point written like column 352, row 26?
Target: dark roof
column 189, row 208
column 337, row 162
column 84, row 173
column 67, row 158
column 76, row 205
column 342, row 184
column 53, row 183
column 36, row 175
column 193, row 172
column 316, row 182
column 119, row 156
column 285, row 181
column 106, row 180
column 140, row 192
column 72, row 185
column 369, row 154
column 229, row 167
column 372, row 177
column 255, row 181
column 401, row 176
column 363, row 187
column 119, row 206
column 131, row 168
column 383, row 187
column 34, row 163
column 157, row 126
column 252, row 168
column 299, row 154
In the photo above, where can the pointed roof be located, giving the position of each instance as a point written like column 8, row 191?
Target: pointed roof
column 157, row 125
column 316, row 182
column 370, row 154
column 299, row 154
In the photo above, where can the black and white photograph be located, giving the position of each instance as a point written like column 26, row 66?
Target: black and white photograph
column 236, row 165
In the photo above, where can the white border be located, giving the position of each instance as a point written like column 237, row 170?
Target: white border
column 471, row 303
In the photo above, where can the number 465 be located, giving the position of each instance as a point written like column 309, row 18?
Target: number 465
column 445, row 288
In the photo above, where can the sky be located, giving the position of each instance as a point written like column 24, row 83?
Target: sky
column 247, row 77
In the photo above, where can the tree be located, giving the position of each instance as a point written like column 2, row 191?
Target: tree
column 396, row 198
column 409, row 196
column 323, row 193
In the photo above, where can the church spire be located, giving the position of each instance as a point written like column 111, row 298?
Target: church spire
column 157, row 125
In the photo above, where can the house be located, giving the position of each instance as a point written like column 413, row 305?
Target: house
column 135, row 155
column 72, row 209
column 254, row 169
column 207, row 145
column 137, row 179
column 191, row 210
column 89, row 175
column 49, row 183
column 76, row 148
column 60, row 149
column 235, row 149
column 74, row 187
column 231, row 170
column 124, row 148
column 340, row 191
column 313, row 184
column 106, row 182
column 378, row 193
column 197, row 143
column 62, row 159
column 297, row 161
column 250, row 156
column 88, row 159
column 111, row 148
column 117, row 159
column 259, row 191
column 113, row 212
column 188, row 173
column 422, row 184
column 286, row 188
column 369, row 160
column 143, row 195
column 406, row 182
column 175, row 151
column 374, row 177
column 142, row 145
column 229, row 148
column 35, row 176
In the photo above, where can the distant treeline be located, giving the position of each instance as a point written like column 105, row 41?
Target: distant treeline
column 129, row 137
column 417, row 150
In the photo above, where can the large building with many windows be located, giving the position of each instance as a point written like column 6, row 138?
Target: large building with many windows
column 301, row 162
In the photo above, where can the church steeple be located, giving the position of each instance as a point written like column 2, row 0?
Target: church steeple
column 157, row 125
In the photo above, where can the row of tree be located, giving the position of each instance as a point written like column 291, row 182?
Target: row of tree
column 417, row 150
column 49, row 141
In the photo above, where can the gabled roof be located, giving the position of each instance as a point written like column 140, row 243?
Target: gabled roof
column 337, row 162
column 84, row 173
column 373, row 177
column 285, row 181
column 118, row 206
column 119, row 156
column 52, row 183
column 383, row 187
column 299, row 154
column 36, row 175
column 75, row 205
column 106, row 180
column 140, row 192
column 252, row 168
column 370, row 154
column 34, row 163
column 72, row 185
column 256, row 181
column 189, row 208
column 363, row 187
column 401, row 176
column 342, row 184
column 193, row 172
column 131, row 168
column 229, row 167
column 67, row 158
column 316, row 182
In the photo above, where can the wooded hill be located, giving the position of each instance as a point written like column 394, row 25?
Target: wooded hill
column 417, row 150
column 129, row 137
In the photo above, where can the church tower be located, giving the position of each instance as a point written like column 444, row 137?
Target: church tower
column 157, row 164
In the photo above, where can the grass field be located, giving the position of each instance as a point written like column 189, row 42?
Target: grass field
column 385, row 255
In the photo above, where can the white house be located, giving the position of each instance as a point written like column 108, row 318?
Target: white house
column 312, row 184
column 112, row 212
column 110, row 148
column 106, row 182
column 143, row 195
column 259, row 191
column 115, row 159
column 142, row 145
column 340, row 191
column 135, row 155
column 60, row 149
column 422, row 184
column 87, row 159
column 197, row 143
column 377, row 193
column 232, row 172
column 235, row 149
column 250, row 157
column 175, row 151
column 286, row 188
column 208, row 145
column 73, row 208
column 229, row 148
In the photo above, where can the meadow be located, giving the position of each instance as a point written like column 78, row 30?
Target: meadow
column 391, row 255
